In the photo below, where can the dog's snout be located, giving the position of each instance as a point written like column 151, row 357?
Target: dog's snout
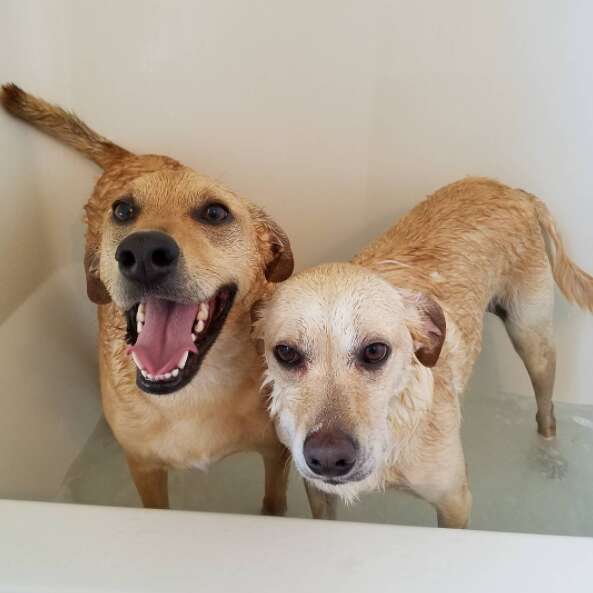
column 330, row 453
column 147, row 257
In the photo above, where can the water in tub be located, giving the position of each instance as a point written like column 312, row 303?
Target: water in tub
column 519, row 481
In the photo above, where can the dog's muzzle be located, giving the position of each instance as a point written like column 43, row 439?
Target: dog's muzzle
column 169, row 327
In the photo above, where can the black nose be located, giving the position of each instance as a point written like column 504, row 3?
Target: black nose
column 147, row 257
column 330, row 453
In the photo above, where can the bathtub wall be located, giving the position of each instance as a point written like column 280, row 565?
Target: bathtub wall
column 335, row 116
column 42, row 186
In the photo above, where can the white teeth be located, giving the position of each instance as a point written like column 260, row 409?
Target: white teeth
column 137, row 361
column 163, row 377
column 200, row 326
column 203, row 312
column 194, row 337
column 140, row 318
column 183, row 359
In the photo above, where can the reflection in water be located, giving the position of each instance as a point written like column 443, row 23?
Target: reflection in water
column 520, row 481
column 550, row 461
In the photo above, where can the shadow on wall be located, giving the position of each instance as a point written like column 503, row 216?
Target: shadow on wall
column 25, row 261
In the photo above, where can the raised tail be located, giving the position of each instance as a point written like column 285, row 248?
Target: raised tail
column 60, row 124
column 576, row 285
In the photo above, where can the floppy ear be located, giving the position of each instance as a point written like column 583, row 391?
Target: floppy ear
column 429, row 334
column 256, row 313
column 274, row 247
column 95, row 288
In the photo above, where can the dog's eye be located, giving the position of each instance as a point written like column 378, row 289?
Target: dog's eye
column 374, row 354
column 287, row 355
column 123, row 210
column 214, row 214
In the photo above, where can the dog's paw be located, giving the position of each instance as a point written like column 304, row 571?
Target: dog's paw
column 273, row 508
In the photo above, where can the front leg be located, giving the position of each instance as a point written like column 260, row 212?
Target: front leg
column 454, row 507
column 452, row 502
column 151, row 482
column 444, row 483
column 277, row 468
column 323, row 505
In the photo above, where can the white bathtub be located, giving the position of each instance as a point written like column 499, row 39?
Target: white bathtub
column 49, row 388
column 54, row 548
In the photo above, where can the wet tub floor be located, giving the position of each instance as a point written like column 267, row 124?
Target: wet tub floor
column 519, row 481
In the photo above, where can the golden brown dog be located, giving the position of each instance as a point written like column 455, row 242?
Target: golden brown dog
column 174, row 260
column 367, row 361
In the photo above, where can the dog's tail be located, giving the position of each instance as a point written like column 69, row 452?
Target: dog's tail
column 60, row 124
column 575, row 283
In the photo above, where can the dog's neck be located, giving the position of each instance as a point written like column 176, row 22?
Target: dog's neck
column 412, row 415
column 407, row 411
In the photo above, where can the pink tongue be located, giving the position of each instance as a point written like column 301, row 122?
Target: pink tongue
column 166, row 335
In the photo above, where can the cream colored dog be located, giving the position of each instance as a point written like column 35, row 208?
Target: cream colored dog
column 367, row 361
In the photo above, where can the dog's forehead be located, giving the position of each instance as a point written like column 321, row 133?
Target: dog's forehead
column 178, row 187
column 338, row 301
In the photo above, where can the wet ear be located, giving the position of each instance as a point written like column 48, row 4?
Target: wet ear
column 257, row 313
column 430, row 330
column 95, row 288
column 274, row 247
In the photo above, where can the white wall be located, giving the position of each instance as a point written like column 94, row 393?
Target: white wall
column 336, row 116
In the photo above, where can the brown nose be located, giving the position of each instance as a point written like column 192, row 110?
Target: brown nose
column 330, row 453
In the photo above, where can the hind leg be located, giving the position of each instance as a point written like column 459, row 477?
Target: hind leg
column 528, row 318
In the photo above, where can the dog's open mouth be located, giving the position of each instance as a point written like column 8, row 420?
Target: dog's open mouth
column 169, row 340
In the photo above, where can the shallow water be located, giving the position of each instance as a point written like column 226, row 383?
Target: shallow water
column 519, row 481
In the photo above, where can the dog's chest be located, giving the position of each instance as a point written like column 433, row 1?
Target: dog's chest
column 198, row 442
column 197, row 435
